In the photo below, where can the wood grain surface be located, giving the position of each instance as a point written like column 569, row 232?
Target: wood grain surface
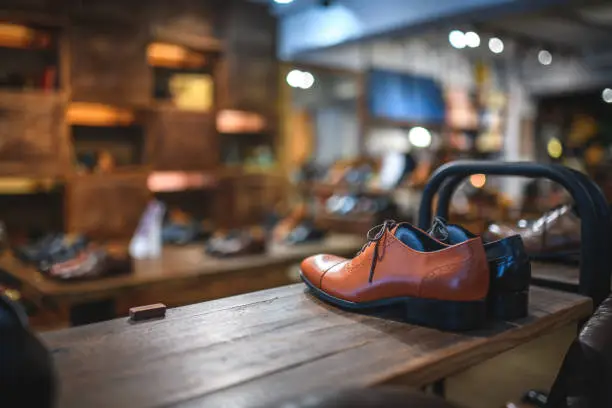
column 556, row 272
column 183, row 140
column 109, row 63
column 106, row 206
column 251, row 349
column 32, row 142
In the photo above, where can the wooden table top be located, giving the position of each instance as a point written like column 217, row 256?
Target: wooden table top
column 557, row 272
column 176, row 263
column 251, row 349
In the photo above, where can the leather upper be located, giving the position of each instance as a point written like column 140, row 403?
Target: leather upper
column 509, row 264
column 586, row 374
column 455, row 273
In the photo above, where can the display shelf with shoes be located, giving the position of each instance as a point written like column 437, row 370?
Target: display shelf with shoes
column 183, row 77
column 235, row 243
column 105, row 138
column 553, row 236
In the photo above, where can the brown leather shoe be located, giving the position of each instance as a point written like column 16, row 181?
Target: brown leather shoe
column 556, row 233
column 88, row 264
column 440, row 286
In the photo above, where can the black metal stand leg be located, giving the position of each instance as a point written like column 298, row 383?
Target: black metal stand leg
column 439, row 388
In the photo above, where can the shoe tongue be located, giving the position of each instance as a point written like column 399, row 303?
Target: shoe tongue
column 409, row 236
column 439, row 230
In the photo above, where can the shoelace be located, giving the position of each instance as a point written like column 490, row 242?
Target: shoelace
column 439, row 229
column 375, row 234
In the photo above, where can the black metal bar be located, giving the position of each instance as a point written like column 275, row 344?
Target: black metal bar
column 448, row 189
column 604, row 243
column 439, row 388
column 446, row 194
column 595, row 263
column 601, row 206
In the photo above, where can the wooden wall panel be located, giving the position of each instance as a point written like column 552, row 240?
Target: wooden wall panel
column 248, row 82
column 106, row 206
column 248, row 75
column 28, row 5
column 129, row 12
column 183, row 140
column 32, row 141
column 109, row 63
column 250, row 26
column 184, row 22
column 246, row 199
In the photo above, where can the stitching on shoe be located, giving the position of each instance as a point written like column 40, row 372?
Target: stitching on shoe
column 433, row 274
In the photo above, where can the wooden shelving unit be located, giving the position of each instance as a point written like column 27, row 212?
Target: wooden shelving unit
column 137, row 90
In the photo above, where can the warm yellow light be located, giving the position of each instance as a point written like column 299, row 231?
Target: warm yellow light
column 173, row 56
column 554, row 148
column 18, row 36
column 165, row 181
column 95, row 114
column 478, row 180
column 235, row 121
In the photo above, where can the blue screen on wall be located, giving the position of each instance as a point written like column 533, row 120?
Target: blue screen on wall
column 404, row 97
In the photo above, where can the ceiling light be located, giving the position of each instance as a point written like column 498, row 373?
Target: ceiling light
column 283, row 1
column 545, row 57
column 419, row 137
column 457, row 39
column 307, row 80
column 294, row 78
column 496, row 45
column 472, row 39
column 300, row 79
column 606, row 95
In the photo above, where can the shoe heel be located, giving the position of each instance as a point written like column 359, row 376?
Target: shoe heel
column 509, row 305
column 446, row 315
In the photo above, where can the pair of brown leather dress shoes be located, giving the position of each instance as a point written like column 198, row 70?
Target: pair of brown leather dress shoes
column 446, row 278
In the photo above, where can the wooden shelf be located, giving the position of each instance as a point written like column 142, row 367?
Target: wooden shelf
column 240, row 122
column 174, row 181
column 24, row 37
column 24, row 185
column 97, row 114
column 174, row 56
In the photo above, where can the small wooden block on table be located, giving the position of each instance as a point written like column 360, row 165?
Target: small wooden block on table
column 252, row 349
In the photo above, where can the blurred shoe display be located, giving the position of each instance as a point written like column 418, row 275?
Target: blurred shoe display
column 555, row 234
column 88, row 264
column 236, row 243
column 182, row 229
column 304, row 233
column 51, row 249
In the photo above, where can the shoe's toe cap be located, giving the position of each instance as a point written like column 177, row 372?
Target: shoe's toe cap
column 314, row 267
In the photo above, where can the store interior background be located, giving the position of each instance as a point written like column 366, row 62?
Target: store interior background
column 237, row 114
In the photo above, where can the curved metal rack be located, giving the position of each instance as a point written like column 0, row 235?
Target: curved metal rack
column 595, row 258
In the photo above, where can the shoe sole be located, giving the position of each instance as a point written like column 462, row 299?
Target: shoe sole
column 508, row 305
column 439, row 314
